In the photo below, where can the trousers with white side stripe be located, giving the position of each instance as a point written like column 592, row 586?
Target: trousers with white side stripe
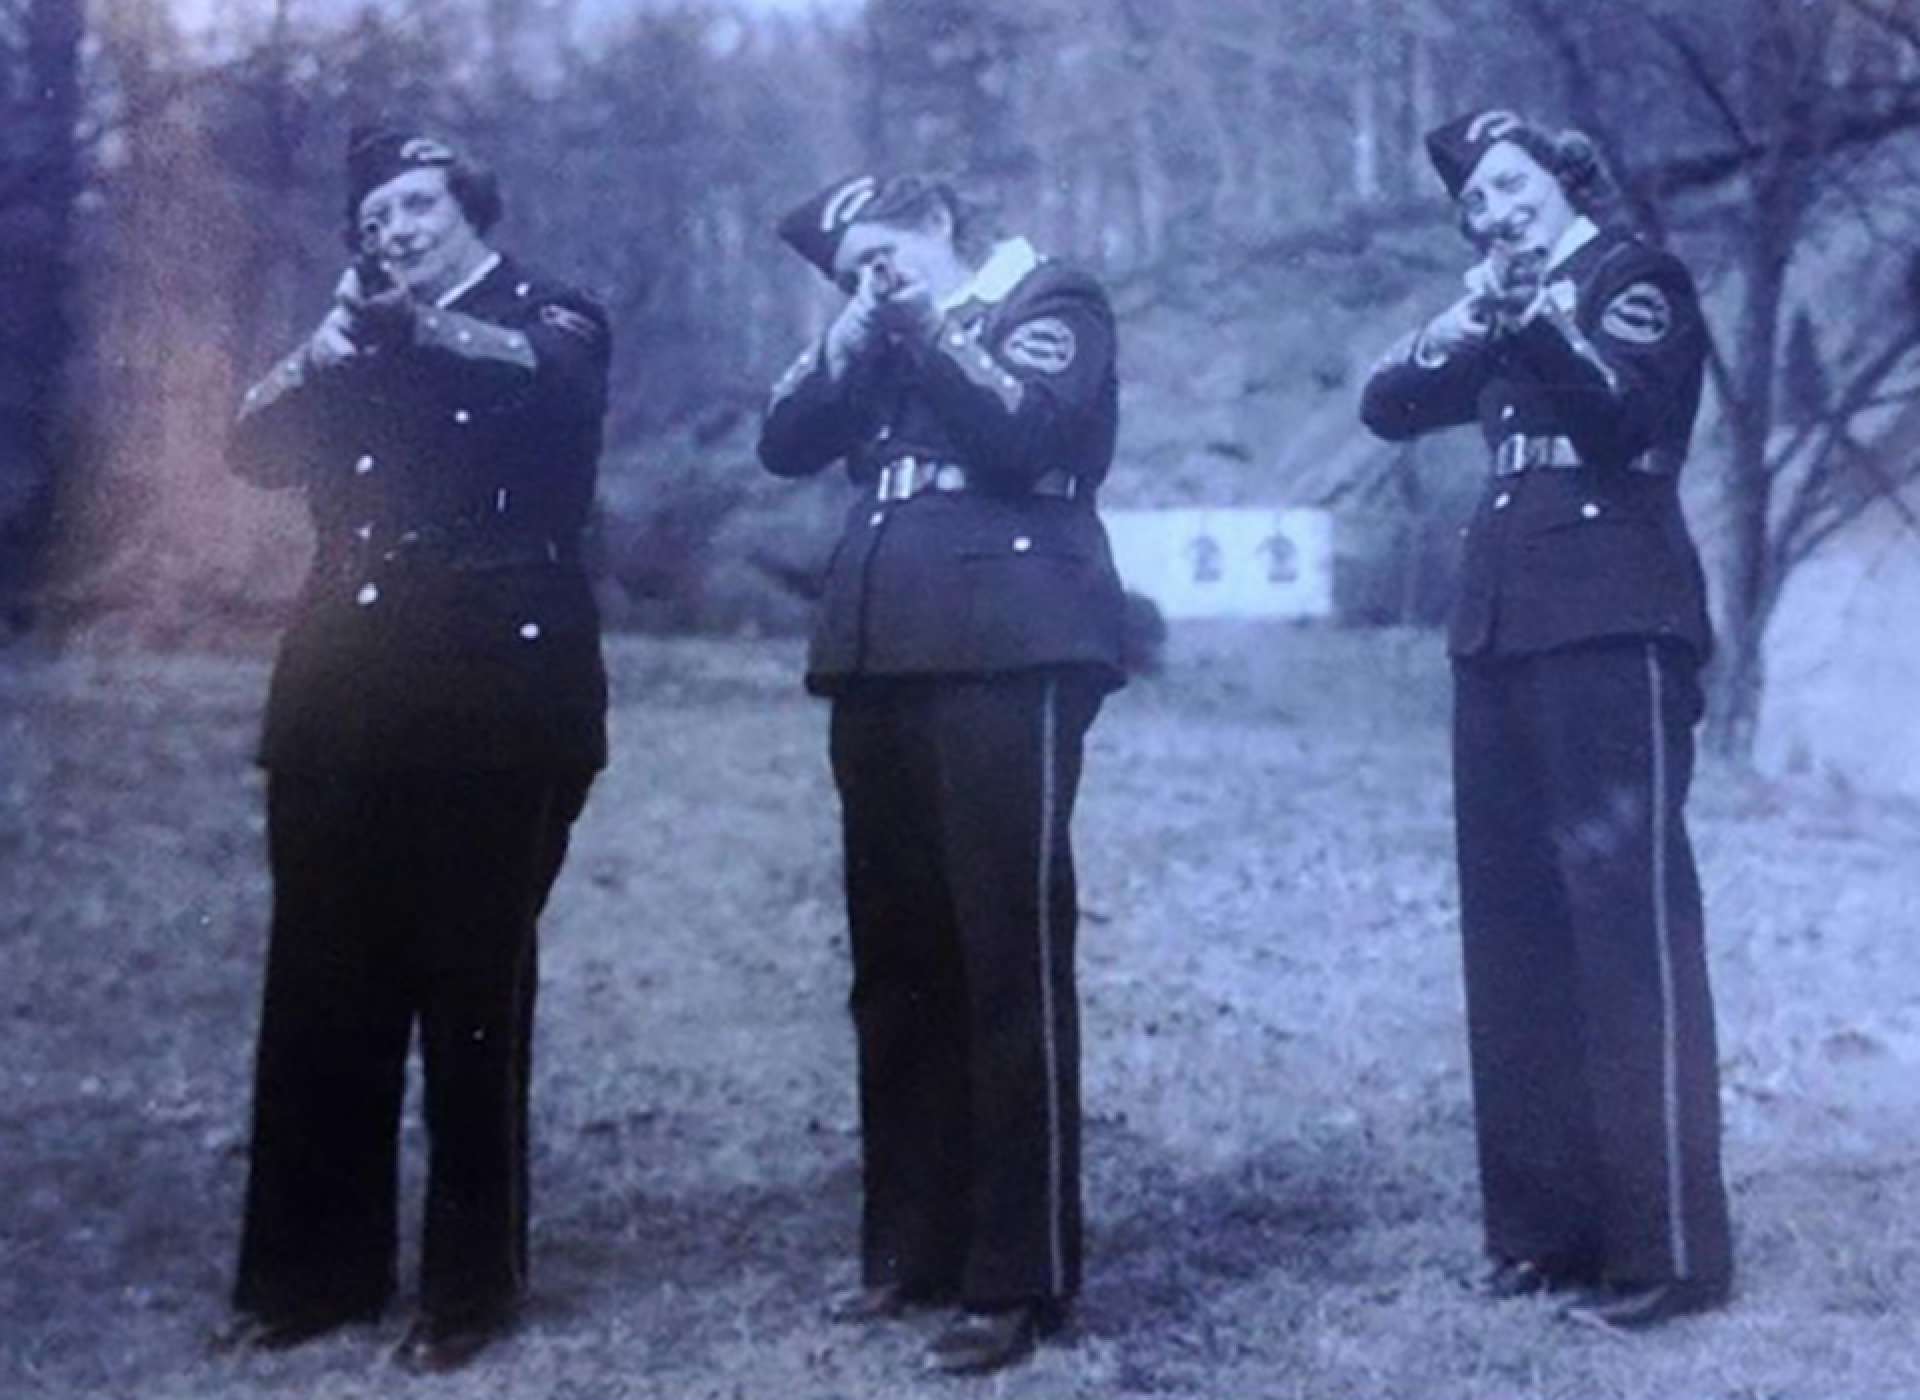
column 1590, row 1016
column 957, row 796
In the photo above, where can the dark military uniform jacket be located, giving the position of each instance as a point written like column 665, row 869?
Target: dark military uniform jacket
column 446, row 621
column 1018, row 391
column 1589, row 542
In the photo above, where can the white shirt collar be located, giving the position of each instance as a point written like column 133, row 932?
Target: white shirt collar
column 1573, row 238
column 467, row 283
column 999, row 274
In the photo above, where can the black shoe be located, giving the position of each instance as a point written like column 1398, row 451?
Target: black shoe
column 1513, row 1278
column 1525, row 1278
column 979, row 1342
column 878, row 1302
column 251, row 1331
column 1633, row 1307
column 433, row 1348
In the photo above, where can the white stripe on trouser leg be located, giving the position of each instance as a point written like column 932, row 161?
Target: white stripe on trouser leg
column 1663, row 945
column 1049, row 741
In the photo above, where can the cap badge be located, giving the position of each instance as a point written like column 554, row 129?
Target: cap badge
column 847, row 202
column 1490, row 126
column 424, row 150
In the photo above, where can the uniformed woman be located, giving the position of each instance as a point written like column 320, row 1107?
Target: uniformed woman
column 970, row 627
column 1577, row 641
column 435, row 716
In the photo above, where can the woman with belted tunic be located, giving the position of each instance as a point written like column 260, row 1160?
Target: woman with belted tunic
column 969, row 628
column 1577, row 641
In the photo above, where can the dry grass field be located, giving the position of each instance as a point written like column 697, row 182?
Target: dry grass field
column 1279, row 1168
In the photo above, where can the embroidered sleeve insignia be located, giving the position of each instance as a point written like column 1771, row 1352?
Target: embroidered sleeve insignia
column 573, row 323
column 1046, row 344
column 1639, row 315
column 795, row 372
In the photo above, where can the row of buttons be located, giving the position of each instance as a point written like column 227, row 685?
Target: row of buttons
column 1021, row 543
column 511, row 338
column 369, row 594
column 984, row 365
column 1589, row 511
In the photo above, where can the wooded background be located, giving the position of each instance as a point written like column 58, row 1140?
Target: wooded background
column 170, row 207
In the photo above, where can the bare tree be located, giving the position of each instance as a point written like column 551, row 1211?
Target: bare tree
column 1787, row 120
column 40, row 179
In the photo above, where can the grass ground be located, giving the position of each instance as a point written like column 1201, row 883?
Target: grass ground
column 1279, row 1170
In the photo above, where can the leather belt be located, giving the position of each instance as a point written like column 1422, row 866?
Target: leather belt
column 906, row 477
column 469, row 550
column 1525, row 452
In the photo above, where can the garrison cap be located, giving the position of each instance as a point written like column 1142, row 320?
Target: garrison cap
column 1455, row 149
column 375, row 154
column 814, row 229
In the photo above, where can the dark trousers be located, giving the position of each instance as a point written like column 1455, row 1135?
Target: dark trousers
column 398, row 898
column 1590, row 1019
column 957, row 795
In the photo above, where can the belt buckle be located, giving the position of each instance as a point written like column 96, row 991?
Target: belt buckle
column 902, row 479
column 1508, row 456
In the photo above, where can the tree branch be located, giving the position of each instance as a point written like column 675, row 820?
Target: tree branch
column 1863, row 391
column 1694, row 62
column 1840, row 514
column 1897, row 25
column 1684, row 174
column 1800, row 529
column 1550, row 28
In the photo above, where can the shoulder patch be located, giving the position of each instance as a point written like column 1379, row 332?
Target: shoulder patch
column 1046, row 344
column 573, row 323
column 1640, row 314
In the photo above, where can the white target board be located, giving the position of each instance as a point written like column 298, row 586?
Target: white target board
column 1241, row 562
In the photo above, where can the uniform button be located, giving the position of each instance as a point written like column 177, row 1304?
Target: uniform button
column 1502, row 501
column 466, row 337
column 460, row 415
column 1506, row 413
column 363, row 466
column 876, row 517
column 368, row 595
column 1590, row 511
column 529, row 631
column 363, row 532
column 522, row 289
column 1021, row 544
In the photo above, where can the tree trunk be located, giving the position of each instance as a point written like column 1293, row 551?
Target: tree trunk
column 1423, row 107
column 1749, row 586
column 1366, row 105
column 36, row 277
